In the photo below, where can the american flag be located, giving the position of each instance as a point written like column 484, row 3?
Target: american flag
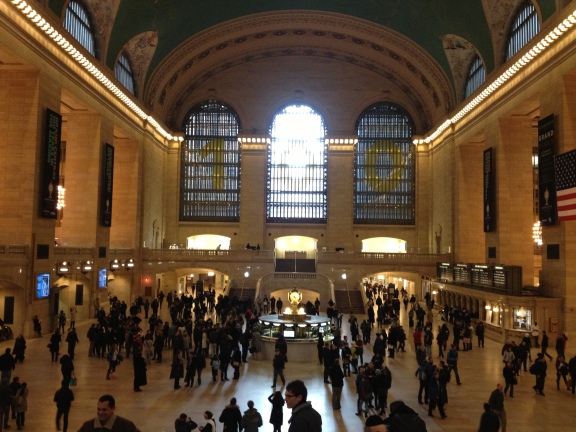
column 565, row 167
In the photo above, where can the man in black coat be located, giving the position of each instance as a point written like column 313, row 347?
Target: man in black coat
column 7, row 364
column 63, row 398
column 231, row 417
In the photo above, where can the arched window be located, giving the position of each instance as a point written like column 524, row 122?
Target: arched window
column 476, row 76
column 78, row 25
column 123, row 73
column 296, row 189
column 525, row 27
column 385, row 167
column 210, row 165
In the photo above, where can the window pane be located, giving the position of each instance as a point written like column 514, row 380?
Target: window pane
column 296, row 190
column 78, row 25
column 210, row 165
column 476, row 76
column 124, row 74
column 385, row 168
column 525, row 27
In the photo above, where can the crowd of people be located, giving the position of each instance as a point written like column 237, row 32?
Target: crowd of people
column 215, row 332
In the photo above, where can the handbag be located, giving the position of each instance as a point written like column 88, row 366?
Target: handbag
column 73, row 381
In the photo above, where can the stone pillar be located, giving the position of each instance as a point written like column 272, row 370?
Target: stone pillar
column 340, row 195
column 512, row 139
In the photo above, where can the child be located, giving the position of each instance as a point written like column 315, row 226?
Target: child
column 215, row 367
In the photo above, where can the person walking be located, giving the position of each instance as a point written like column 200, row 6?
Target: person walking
column 304, row 418
column 538, row 369
column 72, row 340
column 251, row 420
column 63, row 398
column 278, row 364
column 21, row 405
column 114, row 358
column 231, row 417
column 496, row 403
column 452, row 360
column 54, row 345
column 277, row 414
column 61, row 321
column 544, row 345
column 489, row 422
column 509, row 378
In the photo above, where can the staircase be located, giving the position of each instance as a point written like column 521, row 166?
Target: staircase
column 355, row 304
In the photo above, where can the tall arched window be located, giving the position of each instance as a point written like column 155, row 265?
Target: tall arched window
column 210, row 165
column 385, row 167
column 296, row 189
column 78, row 25
column 525, row 27
column 476, row 76
column 123, row 73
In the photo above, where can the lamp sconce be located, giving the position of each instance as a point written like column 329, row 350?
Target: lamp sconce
column 114, row 265
column 488, row 307
column 130, row 264
column 495, row 309
column 63, row 268
column 86, row 267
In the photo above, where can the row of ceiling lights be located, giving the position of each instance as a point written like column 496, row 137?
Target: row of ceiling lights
column 65, row 267
column 536, row 50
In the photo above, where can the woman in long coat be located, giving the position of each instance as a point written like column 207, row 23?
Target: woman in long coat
column 140, row 378
column 177, row 370
column 21, row 403
column 277, row 414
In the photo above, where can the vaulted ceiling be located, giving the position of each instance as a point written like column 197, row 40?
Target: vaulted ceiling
column 416, row 52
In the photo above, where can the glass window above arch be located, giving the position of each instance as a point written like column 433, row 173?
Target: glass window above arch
column 526, row 25
column 385, row 167
column 123, row 72
column 296, row 189
column 210, row 165
column 77, row 23
column 475, row 77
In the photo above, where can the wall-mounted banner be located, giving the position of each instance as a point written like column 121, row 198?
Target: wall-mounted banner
column 565, row 164
column 107, row 186
column 51, row 166
column 546, row 185
column 489, row 192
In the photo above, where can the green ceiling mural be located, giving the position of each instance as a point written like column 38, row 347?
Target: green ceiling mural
column 423, row 21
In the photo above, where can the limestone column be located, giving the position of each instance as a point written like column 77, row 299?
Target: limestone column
column 340, row 197
column 512, row 139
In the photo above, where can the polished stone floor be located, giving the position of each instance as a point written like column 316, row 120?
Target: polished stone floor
column 158, row 405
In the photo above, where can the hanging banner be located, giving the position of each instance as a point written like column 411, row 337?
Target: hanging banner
column 107, row 186
column 51, row 166
column 489, row 189
column 547, row 202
